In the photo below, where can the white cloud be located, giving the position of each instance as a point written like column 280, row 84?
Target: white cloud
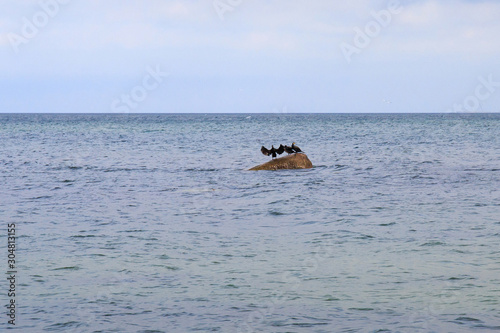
column 93, row 30
column 420, row 16
column 290, row 25
column 447, row 28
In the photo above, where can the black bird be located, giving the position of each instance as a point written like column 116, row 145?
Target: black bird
column 297, row 149
column 268, row 152
column 289, row 150
column 265, row 151
column 280, row 150
column 273, row 151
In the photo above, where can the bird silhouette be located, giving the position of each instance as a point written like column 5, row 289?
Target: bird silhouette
column 273, row 151
column 265, row 151
column 268, row 152
column 297, row 149
column 289, row 150
column 280, row 150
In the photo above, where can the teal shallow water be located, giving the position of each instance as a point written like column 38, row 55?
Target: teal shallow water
column 150, row 223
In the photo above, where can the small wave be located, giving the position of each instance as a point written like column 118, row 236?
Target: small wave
column 468, row 319
column 64, row 326
column 170, row 189
column 314, row 182
column 433, row 243
column 330, row 298
column 308, row 324
column 231, row 286
column 421, row 177
column 303, row 324
column 41, row 197
column 387, row 224
column 364, row 237
column 202, row 170
column 454, row 278
column 71, row 268
column 308, row 222
column 120, row 169
column 197, row 190
column 493, row 328
column 164, row 257
column 173, row 268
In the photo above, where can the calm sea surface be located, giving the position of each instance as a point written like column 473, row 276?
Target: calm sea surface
column 151, row 223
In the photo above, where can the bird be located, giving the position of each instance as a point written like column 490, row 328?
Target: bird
column 265, row 151
column 280, row 150
column 268, row 152
column 289, row 150
column 273, row 151
column 297, row 149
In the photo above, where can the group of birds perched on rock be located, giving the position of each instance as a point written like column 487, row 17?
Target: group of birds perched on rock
column 273, row 151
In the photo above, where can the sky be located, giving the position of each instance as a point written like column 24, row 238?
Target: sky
column 263, row 56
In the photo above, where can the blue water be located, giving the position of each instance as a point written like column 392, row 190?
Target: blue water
column 151, row 223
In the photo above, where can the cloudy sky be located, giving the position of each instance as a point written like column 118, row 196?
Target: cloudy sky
column 249, row 56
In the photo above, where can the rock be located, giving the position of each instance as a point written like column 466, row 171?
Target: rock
column 293, row 161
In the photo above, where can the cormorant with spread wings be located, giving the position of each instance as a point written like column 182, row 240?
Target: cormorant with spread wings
column 268, row 152
column 280, row 150
column 273, row 151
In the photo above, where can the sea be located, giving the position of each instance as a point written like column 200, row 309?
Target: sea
column 153, row 223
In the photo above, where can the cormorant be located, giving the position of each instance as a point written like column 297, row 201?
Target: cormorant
column 280, row 150
column 289, row 150
column 297, row 149
column 273, row 151
column 268, row 152
column 265, row 151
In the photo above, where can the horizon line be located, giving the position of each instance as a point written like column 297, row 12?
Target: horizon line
column 242, row 113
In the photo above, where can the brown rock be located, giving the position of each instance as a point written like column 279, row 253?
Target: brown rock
column 293, row 161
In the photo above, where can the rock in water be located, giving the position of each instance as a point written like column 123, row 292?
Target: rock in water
column 294, row 161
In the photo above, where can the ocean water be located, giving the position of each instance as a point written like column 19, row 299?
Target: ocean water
column 152, row 223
